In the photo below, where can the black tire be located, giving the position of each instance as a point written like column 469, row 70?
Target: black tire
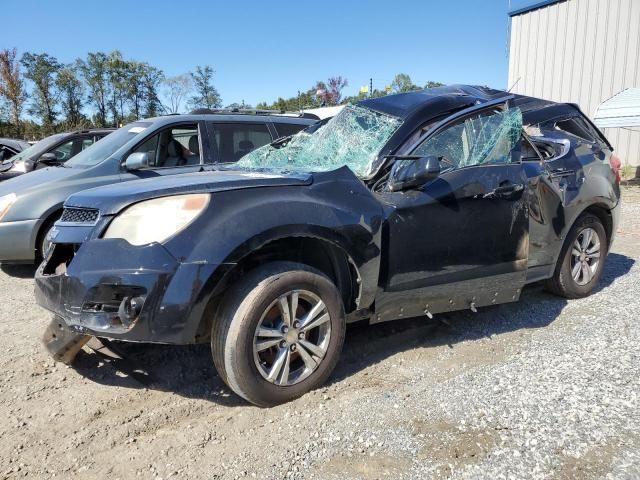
column 235, row 326
column 563, row 283
column 41, row 243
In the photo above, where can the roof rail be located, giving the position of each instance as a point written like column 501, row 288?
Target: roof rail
column 251, row 111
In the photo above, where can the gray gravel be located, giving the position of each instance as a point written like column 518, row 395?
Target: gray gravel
column 545, row 388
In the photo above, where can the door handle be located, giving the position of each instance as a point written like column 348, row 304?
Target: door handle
column 561, row 172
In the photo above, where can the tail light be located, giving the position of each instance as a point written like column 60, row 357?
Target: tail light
column 616, row 164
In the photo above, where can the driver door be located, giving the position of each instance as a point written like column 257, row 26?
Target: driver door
column 461, row 240
column 172, row 150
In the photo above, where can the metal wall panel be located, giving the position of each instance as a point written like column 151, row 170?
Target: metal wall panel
column 580, row 51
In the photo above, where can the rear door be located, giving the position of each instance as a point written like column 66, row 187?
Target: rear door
column 233, row 140
column 461, row 240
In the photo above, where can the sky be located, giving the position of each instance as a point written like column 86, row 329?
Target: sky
column 263, row 50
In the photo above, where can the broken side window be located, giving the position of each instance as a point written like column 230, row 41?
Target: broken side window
column 483, row 139
column 354, row 137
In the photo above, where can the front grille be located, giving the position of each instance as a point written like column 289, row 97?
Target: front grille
column 79, row 215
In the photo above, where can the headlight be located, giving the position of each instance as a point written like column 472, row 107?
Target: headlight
column 158, row 219
column 5, row 204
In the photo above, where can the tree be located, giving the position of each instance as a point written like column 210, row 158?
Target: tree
column 12, row 86
column 151, row 79
column 95, row 71
column 119, row 74
column 335, row 85
column 42, row 69
column 402, row 83
column 135, row 88
column 431, row 84
column 176, row 90
column 239, row 106
column 71, row 91
column 206, row 95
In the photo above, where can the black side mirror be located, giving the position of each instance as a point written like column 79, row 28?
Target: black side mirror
column 2, row 154
column 407, row 174
column 48, row 159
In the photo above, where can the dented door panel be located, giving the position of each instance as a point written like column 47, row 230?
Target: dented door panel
column 457, row 241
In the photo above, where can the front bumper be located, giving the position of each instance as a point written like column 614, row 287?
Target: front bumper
column 109, row 288
column 16, row 241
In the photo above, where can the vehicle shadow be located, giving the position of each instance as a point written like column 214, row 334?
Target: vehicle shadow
column 19, row 270
column 189, row 372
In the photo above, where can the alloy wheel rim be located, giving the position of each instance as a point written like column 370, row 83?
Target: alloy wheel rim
column 292, row 337
column 585, row 256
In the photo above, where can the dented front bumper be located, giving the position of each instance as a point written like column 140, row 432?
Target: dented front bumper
column 109, row 288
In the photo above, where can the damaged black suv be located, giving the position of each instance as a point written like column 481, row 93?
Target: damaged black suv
column 407, row 205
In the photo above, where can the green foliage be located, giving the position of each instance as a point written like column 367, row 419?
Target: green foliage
column 95, row 71
column 71, row 91
column 402, row 83
column 42, row 70
column 151, row 79
column 106, row 89
column 205, row 94
column 12, row 92
column 330, row 93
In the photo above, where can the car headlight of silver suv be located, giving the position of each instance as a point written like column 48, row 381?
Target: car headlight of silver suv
column 157, row 220
column 5, row 204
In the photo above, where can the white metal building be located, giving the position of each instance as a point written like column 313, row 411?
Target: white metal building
column 579, row 51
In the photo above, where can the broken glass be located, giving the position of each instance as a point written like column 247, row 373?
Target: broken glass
column 354, row 137
column 486, row 138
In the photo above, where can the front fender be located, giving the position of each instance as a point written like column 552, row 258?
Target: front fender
column 339, row 210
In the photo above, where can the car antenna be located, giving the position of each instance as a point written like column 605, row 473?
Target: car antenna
column 513, row 86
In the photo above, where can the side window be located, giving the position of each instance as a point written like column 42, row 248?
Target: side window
column 487, row 138
column 235, row 140
column 576, row 127
column 248, row 137
column 64, row 151
column 286, row 129
column 173, row 147
column 528, row 152
column 86, row 143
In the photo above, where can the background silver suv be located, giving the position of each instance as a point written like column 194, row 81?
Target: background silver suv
column 169, row 145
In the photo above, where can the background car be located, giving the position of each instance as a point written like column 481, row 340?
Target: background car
column 10, row 147
column 53, row 150
column 152, row 148
column 402, row 206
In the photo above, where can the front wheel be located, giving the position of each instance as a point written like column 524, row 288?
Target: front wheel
column 279, row 333
column 581, row 261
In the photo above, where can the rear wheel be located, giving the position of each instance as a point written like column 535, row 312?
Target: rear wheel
column 279, row 333
column 582, row 259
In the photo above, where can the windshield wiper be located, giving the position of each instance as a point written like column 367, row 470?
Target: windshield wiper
column 403, row 157
column 279, row 142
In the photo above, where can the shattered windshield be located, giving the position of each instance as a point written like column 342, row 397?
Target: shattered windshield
column 354, row 137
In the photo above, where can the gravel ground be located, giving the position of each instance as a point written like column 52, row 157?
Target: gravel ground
column 545, row 388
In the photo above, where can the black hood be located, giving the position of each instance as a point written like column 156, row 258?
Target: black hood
column 110, row 199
